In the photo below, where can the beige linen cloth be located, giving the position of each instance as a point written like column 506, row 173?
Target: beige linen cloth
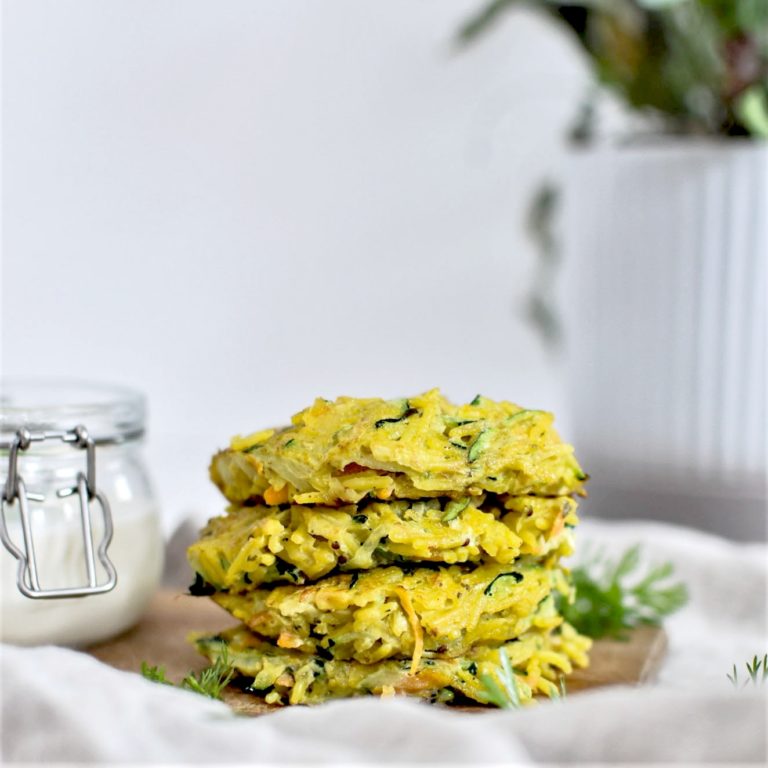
column 63, row 706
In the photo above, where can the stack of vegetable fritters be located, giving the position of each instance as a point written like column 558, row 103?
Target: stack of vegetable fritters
column 394, row 546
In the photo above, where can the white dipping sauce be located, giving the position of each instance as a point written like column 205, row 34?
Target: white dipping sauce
column 136, row 552
column 113, row 418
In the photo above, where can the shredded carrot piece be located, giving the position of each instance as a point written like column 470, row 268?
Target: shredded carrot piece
column 557, row 526
column 272, row 496
column 287, row 640
column 413, row 620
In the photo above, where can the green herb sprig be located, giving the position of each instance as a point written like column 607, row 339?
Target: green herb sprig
column 155, row 674
column 606, row 605
column 500, row 688
column 210, row 681
column 500, row 685
column 757, row 671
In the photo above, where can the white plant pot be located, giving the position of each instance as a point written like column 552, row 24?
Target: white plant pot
column 665, row 250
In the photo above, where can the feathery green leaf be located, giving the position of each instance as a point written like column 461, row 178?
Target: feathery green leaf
column 210, row 681
column 757, row 671
column 606, row 603
column 500, row 686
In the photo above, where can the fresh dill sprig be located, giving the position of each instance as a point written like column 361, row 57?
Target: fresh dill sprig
column 155, row 674
column 500, row 685
column 500, row 688
column 606, row 605
column 757, row 671
column 210, row 681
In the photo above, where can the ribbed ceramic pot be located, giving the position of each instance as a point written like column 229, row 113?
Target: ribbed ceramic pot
column 665, row 266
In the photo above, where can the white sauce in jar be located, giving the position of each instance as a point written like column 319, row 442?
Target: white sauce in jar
column 114, row 418
column 136, row 551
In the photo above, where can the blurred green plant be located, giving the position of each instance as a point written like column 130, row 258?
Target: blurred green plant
column 701, row 65
column 757, row 673
column 607, row 603
column 540, row 306
column 500, row 687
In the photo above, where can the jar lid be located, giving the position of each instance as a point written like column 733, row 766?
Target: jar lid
column 112, row 414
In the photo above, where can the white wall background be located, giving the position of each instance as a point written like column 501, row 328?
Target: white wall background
column 237, row 206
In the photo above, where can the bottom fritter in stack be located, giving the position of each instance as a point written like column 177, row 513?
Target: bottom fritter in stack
column 395, row 547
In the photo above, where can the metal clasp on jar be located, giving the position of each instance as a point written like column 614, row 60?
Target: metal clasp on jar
column 15, row 491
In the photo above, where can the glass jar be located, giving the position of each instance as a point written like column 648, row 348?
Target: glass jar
column 56, row 479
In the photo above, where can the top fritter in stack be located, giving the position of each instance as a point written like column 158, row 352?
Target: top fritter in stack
column 394, row 546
